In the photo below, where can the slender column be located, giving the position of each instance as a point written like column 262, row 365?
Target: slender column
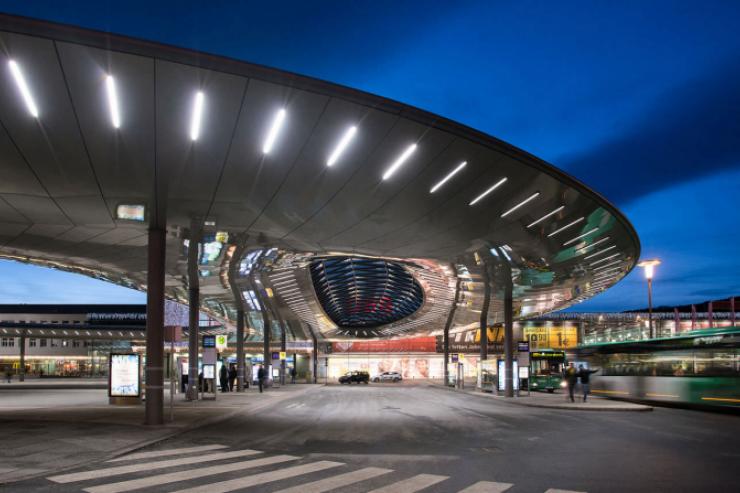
column 651, row 334
column 315, row 358
column 508, row 330
column 22, row 369
column 283, row 347
column 448, row 324
column 266, row 329
column 240, row 350
column 155, row 326
column 193, row 309
column 483, row 325
column 732, row 310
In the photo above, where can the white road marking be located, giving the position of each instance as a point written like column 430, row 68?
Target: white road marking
column 555, row 490
column 338, row 481
column 148, row 466
column 487, row 487
column 412, row 484
column 173, row 477
column 164, row 453
column 262, row 478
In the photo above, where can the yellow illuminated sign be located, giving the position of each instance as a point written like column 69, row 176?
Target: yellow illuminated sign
column 554, row 337
column 283, row 355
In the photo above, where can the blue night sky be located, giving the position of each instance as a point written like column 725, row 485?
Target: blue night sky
column 640, row 100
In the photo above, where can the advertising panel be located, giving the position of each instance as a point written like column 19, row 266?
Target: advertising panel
column 124, row 377
column 551, row 337
column 502, row 375
column 209, row 371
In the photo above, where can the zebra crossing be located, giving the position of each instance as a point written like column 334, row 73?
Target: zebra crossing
column 272, row 469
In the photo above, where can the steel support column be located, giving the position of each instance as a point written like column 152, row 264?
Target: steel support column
column 22, row 369
column 315, row 358
column 193, row 310
column 154, row 372
column 448, row 324
column 483, row 324
column 509, row 333
column 240, row 350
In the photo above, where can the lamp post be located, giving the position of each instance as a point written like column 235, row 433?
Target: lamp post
column 649, row 266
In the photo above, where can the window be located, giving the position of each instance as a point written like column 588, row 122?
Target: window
column 42, row 342
column 75, row 343
column 32, row 342
column 65, row 343
column 54, row 343
column 8, row 342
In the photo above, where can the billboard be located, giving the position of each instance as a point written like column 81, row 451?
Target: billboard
column 551, row 336
column 124, row 377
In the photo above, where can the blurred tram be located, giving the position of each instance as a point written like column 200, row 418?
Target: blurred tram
column 698, row 369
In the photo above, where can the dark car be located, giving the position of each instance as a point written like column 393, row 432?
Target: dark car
column 355, row 377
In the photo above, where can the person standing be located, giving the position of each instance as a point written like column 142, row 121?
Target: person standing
column 292, row 375
column 585, row 375
column 261, row 377
column 223, row 377
column 571, row 378
column 232, row 377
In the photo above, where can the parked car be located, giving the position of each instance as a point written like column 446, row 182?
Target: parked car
column 355, row 377
column 388, row 376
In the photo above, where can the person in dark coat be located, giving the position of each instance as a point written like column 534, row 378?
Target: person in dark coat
column 585, row 375
column 223, row 378
column 261, row 377
column 571, row 378
column 232, row 377
column 292, row 375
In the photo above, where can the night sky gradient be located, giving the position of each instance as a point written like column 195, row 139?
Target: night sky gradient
column 639, row 100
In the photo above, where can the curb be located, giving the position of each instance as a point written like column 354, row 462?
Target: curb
column 562, row 407
column 147, row 443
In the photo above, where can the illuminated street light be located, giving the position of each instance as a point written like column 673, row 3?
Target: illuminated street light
column 649, row 266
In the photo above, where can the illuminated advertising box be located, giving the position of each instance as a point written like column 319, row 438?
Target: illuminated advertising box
column 124, row 376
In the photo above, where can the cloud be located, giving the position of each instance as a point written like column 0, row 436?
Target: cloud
column 690, row 132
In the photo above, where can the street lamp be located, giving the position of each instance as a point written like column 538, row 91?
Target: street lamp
column 649, row 266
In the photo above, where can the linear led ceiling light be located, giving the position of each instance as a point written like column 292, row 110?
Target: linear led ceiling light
column 605, row 272
column 523, row 202
column 566, row 227
column 277, row 123
column 604, row 259
column 197, row 115
column 494, row 187
column 608, row 265
column 20, row 81
column 343, row 143
column 110, row 85
column 399, row 162
column 573, row 240
column 449, row 175
column 546, row 216
column 599, row 252
column 584, row 248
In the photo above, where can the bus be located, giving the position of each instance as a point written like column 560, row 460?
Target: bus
column 697, row 369
column 546, row 369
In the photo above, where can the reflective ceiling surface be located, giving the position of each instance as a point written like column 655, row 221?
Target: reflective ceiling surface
column 396, row 187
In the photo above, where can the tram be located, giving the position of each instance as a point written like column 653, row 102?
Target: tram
column 699, row 369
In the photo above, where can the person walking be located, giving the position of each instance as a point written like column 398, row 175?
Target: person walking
column 232, row 377
column 585, row 375
column 261, row 377
column 571, row 378
column 8, row 375
column 223, row 378
column 292, row 375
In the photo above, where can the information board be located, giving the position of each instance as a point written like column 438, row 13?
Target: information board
column 209, row 341
column 209, row 371
column 124, row 376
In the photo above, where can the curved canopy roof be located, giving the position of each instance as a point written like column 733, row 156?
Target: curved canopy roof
column 277, row 169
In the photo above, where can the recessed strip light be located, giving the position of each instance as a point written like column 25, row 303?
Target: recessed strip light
column 450, row 175
column 343, row 143
column 110, row 85
column 277, row 122
column 520, row 204
column 573, row 240
column 607, row 270
column 20, row 81
column 599, row 252
column 616, row 262
column 546, row 216
column 584, row 248
column 566, row 226
column 605, row 259
column 494, row 187
column 196, row 116
column 399, row 162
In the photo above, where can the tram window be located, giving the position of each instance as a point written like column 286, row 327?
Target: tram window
column 32, row 342
column 42, row 342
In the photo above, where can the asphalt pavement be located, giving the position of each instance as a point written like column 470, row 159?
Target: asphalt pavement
column 386, row 438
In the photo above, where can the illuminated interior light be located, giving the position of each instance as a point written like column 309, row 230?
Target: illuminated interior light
column 584, row 248
column 523, row 202
column 196, row 116
column 566, row 226
column 573, row 240
column 131, row 212
column 450, row 175
column 110, row 85
column 597, row 262
column 399, row 162
column 546, row 216
column 20, row 81
column 494, row 187
column 603, row 275
column 599, row 252
column 506, row 255
column 616, row 262
column 343, row 143
column 277, row 123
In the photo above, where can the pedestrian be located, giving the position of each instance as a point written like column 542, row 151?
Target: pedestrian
column 261, row 377
column 292, row 375
column 8, row 375
column 585, row 374
column 571, row 378
column 200, row 381
column 232, row 377
column 223, row 378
